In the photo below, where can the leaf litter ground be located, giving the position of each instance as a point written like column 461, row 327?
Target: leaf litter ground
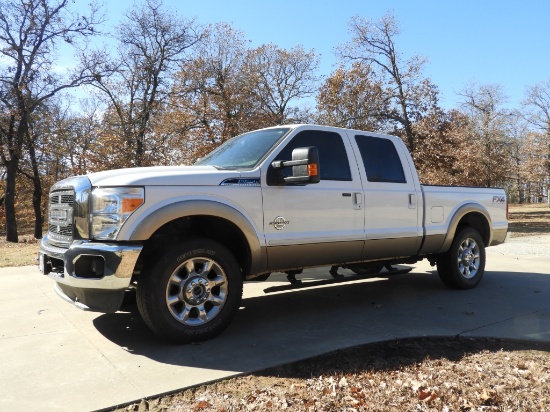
column 428, row 374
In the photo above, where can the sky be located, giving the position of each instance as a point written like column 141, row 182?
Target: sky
column 483, row 41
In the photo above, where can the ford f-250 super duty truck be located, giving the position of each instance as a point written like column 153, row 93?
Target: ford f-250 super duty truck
column 278, row 199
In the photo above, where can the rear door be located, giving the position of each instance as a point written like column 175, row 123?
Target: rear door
column 393, row 226
column 318, row 223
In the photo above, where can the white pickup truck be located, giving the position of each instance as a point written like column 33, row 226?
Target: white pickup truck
column 274, row 200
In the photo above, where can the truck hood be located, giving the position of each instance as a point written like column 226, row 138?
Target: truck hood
column 163, row 176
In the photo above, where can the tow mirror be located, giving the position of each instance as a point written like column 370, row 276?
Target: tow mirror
column 305, row 166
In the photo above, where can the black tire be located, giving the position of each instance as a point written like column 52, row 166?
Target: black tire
column 192, row 292
column 463, row 266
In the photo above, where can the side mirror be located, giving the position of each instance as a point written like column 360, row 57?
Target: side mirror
column 305, row 166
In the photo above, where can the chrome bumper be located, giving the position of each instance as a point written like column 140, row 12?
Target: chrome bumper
column 92, row 275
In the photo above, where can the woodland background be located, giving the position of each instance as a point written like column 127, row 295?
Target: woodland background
column 171, row 90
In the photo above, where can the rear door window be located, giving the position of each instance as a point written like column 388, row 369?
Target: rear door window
column 381, row 160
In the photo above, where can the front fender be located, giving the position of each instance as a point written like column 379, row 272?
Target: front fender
column 158, row 218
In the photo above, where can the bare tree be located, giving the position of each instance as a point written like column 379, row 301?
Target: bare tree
column 281, row 77
column 406, row 91
column 537, row 104
column 217, row 81
column 68, row 133
column 213, row 93
column 353, row 98
column 227, row 88
column 30, row 31
column 537, row 112
column 490, row 129
column 151, row 40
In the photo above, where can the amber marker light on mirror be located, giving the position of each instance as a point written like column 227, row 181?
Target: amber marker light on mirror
column 312, row 169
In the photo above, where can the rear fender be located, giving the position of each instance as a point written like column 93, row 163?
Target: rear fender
column 473, row 215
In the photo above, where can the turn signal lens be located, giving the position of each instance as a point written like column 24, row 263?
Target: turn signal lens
column 130, row 204
column 312, row 169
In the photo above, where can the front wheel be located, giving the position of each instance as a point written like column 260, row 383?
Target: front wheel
column 462, row 267
column 192, row 292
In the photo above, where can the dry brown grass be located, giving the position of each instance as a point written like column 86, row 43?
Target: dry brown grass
column 23, row 253
column 530, row 219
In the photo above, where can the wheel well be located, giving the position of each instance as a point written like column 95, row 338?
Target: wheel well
column 221, row 230
column 478, row 222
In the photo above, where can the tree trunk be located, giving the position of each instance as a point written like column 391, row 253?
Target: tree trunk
column 139, row 151
column 36, row 195
column 37, row 207
column 9, row 200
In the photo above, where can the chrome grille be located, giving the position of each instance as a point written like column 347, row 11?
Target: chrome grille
column 65, row 231
column 64, row 197
column 60, row 219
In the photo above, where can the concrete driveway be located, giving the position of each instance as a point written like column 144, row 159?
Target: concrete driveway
column 56, row 357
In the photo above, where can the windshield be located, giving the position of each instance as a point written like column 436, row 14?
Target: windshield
column 244, row 151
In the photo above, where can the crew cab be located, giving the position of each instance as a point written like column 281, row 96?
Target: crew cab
column 278, row 199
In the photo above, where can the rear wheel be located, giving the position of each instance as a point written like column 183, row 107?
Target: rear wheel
column 463, row 266
column 192, row 292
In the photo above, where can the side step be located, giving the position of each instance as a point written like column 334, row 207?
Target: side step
column 343, row 279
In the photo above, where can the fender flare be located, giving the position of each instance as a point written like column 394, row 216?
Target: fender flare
column 155, row 220
column 459, row 214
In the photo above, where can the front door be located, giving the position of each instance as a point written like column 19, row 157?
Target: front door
column 319, row 223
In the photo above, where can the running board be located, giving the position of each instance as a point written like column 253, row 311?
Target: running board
column 303, row 285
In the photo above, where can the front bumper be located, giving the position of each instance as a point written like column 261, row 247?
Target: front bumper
column 94, row 276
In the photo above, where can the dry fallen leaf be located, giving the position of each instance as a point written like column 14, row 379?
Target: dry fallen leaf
column 489, row 397
column 201, row 405
column 426, row 395
column 466, row 405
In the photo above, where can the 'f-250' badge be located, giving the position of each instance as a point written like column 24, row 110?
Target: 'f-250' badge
column 279, row 223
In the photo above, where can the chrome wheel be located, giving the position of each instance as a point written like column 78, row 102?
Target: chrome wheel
column 196, row 291
column 190, row 292
column 468, row 258
column 463, row 265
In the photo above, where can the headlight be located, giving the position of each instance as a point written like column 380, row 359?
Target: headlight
column 111, row 207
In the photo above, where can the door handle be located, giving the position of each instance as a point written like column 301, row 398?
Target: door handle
column 358, row 201
column 412, row 201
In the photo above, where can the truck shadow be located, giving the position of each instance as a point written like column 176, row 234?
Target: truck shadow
column 281, row 328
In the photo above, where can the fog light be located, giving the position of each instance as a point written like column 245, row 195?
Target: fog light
column 89, row 267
